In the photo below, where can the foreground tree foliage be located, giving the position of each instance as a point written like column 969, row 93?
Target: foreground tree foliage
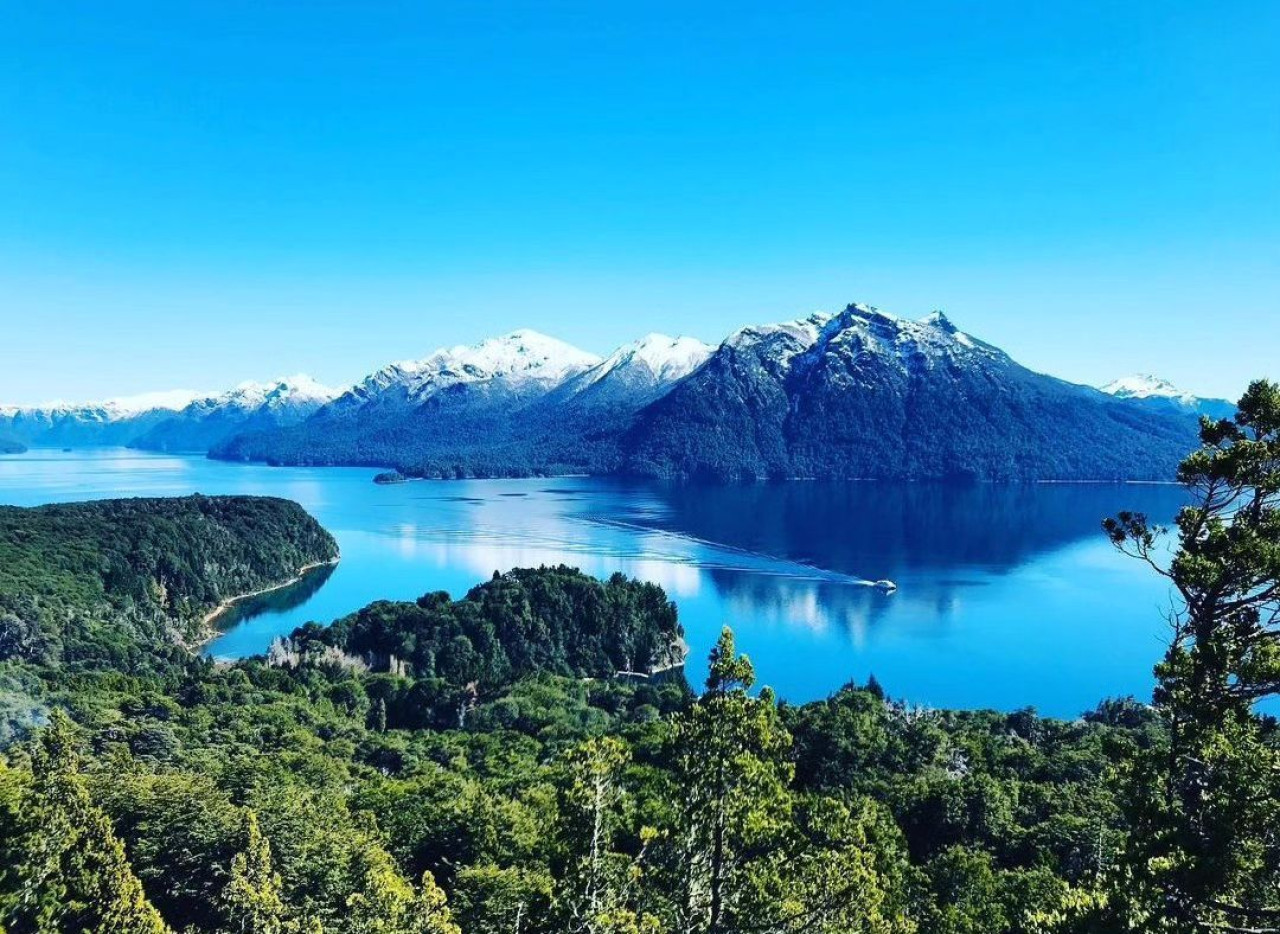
column 1207, row 801
column 479, row 766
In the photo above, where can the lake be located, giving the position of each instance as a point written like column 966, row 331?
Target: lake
column 1008, row 596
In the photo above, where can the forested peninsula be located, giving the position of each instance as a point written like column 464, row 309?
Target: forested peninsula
column 121, row 582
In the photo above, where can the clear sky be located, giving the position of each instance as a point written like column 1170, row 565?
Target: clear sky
column 193, row 194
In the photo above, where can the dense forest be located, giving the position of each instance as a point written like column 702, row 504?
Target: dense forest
column 881, row 398
column 116, row 582
column 553, row 620
column 462, row 431
column 364, row 779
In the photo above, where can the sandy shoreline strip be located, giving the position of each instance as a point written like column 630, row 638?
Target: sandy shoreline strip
column 238, row 598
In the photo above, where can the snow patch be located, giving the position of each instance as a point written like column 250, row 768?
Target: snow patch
column 663, row 359
column 520, row 358
column 1146, row 386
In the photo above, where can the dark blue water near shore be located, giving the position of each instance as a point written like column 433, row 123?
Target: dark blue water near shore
column 1008, row 596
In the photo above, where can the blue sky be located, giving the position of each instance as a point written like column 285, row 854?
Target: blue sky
column 192, row 194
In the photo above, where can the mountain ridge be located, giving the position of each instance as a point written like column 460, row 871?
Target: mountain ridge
column 858, row 393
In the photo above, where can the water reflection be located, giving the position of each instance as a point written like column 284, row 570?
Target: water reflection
column 881, row 530
column 282, row 600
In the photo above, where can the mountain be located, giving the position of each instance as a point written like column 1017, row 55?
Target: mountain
column 114, row 422
column 863, row 394
column 114, row 581
column 1160, row 395
column 458, row 411
column 857, row 394
column 167, row 421
column 520, row 363
column 251, row 406
column 518, row 404
column 640, row 371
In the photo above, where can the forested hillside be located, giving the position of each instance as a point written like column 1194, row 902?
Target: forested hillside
column 552, row 620
column 113, row 580
column 479, row 766
column 864, row 395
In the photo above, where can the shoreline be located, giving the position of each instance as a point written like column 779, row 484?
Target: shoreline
column 229, row 602
column 578, row 475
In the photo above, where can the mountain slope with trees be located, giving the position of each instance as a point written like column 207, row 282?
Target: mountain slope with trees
column 865, row 395
column 113, row 580
column 859, row 394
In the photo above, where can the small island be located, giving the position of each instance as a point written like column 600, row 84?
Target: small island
column 389, row 477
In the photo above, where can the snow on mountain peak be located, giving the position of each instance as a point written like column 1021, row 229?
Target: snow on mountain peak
column 298, row 391
column 802, row 330
column 911, row 344
column 938, row 319
column 1146, row 386
column 120, row 407
column 862, row 328
column 523, row 354
column 666, row 359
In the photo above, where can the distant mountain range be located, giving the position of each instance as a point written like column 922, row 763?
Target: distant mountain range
column 857, row 394
column 1160, row 395
column 170, row 421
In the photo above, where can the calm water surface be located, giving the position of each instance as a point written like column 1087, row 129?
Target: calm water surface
column 1008, row 596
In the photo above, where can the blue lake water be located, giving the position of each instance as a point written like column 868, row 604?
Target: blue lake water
column 1009, row 596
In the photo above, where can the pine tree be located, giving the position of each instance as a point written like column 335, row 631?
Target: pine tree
column 431, row 913
column 254, row 903
column 115, row 890
column 1206, row 851
column 73, row 872
column 590, row 799
column 596, row 890
column 732, row 770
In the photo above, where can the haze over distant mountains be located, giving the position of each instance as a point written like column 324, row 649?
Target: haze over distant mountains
column 857, row 394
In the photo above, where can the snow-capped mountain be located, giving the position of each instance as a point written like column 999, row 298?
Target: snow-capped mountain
column 640, row 370
column 112, row 422
column 108, row 410
column 665, row 359
column 521, row 360
column 865, row 394
column 857, row 393
column 1160, row 394
column 286, row 393
column 457, row 406
column 511, row 404
column 250, row 406
column 173, row 421
column 1145, row 386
